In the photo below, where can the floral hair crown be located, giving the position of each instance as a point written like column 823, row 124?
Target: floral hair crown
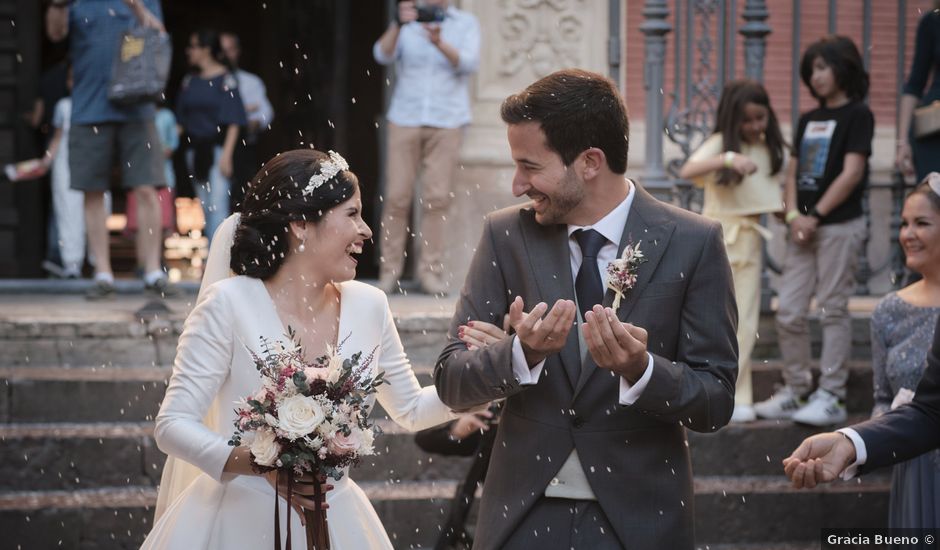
column 328, row 170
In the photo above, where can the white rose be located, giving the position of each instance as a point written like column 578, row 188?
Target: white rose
column 265, row 448
column 299, row 415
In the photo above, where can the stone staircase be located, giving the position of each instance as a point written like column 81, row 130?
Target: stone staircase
column 79, row 467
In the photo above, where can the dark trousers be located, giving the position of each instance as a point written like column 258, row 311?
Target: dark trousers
column 244, row 167
column 564, row 524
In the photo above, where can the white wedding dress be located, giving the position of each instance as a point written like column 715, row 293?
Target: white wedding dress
column 209, row 510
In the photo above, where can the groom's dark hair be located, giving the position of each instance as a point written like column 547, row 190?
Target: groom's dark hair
column 576, row 110
column 274, row 198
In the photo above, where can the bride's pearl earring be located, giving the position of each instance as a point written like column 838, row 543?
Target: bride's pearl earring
column 301, row 247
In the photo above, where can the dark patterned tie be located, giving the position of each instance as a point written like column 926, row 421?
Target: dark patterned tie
column 587, row 285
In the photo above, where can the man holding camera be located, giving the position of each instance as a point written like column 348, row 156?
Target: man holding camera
column 435, row 48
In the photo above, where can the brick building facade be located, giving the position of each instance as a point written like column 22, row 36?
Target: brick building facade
column 778, row 65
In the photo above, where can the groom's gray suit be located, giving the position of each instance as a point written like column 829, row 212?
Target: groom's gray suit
column 635, row 457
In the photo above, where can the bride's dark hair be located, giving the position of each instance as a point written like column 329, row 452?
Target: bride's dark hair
column 275, row 198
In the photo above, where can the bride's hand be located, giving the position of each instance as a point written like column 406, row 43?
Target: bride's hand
column 479, row 334
column 302, row 492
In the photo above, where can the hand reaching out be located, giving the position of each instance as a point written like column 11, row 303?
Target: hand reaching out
column 469, row 423
column 819, row 459
column 541, row 337
column 479, row 334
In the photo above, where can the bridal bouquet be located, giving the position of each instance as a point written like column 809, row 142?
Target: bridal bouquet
column 307, row 418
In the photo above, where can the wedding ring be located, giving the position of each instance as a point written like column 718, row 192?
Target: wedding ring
column 549, row 339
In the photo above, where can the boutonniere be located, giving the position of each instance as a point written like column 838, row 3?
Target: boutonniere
column 621, row 274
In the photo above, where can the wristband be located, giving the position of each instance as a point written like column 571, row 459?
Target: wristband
column 815, row 213
column 791, row 215
column 728, row 159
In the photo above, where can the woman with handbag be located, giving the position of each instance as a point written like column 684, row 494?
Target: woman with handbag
column 210, row 112
column 918, row 148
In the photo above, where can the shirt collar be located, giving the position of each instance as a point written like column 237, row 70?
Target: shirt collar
column 611, row 226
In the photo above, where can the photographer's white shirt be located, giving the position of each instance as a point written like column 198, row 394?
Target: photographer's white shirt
column 429, row 90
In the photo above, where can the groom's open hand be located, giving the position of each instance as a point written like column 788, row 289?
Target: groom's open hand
column 541, row 337
column 615, row 346
column 819, row 459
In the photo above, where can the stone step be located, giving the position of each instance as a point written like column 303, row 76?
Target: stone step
column 72, row 456
column 110, row 393
column 69, row 456
column 118, row 339
column 77, row 337
column 732, row 512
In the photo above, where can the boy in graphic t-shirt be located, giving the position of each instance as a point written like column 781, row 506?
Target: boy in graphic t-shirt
column 825, row 182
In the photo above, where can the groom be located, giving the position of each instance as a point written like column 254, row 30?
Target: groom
column 591, row 450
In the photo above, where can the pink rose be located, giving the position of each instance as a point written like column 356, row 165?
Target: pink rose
column 342, row 444
column 261, row 396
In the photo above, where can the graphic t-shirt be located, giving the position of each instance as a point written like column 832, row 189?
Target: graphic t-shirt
column 825, row 136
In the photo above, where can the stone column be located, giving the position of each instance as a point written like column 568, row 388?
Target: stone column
column 755, row 32
column 655, row 27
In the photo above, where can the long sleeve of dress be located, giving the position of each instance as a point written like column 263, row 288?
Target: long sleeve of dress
column 406, row 402
column 203, row 360
column 879, row 359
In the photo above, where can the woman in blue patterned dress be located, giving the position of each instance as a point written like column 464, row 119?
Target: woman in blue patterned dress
column 901, row 332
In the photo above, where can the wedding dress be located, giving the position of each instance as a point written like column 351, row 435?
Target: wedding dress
column 206, row 509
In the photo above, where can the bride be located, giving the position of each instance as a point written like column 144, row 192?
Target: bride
column 293, row 251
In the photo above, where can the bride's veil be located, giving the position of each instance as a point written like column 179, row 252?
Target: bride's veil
column 179, row 474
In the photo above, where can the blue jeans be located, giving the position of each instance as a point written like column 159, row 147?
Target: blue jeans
column 213, row 194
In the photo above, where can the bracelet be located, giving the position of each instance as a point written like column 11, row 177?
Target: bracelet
column 728, row 158
column 815, row 213
column 791, row 215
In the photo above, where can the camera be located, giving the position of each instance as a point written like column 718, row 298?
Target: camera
column 431, row 14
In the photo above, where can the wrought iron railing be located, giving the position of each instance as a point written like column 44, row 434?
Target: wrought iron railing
column 704, row 51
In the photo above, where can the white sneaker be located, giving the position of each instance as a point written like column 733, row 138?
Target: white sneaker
column 781, row 405
column 823, row 409
column 743, row 413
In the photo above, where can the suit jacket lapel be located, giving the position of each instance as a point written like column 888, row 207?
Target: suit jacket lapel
column 647, row 225
column 550, row 263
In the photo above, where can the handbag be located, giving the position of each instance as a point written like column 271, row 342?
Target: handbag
column 141, row 66
column 927, row 120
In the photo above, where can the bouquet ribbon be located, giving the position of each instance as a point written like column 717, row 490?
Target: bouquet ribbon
column 318, row 537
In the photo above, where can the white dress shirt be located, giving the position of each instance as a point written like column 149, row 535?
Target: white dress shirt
column 610, row 226
column 861, row 453
column 429, row 90
column 253, row 93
